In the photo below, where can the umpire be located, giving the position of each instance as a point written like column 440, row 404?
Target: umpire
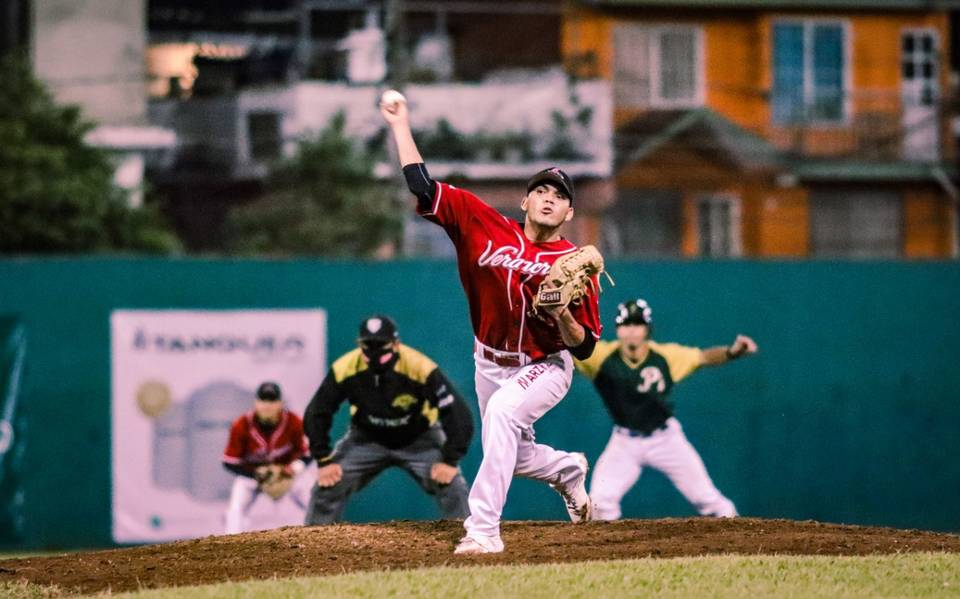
column 404, row 412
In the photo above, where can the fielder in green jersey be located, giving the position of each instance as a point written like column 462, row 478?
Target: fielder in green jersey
column 634, row 376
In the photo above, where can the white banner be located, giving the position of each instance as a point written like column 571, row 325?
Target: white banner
column 179, row 379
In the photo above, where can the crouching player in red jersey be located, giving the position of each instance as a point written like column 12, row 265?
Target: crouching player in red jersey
column 268, row 437
column 523, row 357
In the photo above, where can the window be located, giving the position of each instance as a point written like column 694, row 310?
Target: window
column 809, row 71
column 658, row 66
column 643, row 223
column 855, row 223
column 265, row 137
column 920, row 93
column 718, row 225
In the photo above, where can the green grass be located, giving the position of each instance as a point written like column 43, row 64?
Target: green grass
column 906, row 575
column 40, row 553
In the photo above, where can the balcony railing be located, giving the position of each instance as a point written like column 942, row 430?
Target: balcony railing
column 875, row 126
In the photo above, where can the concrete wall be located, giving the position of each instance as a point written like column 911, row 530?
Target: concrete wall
column 91, row 53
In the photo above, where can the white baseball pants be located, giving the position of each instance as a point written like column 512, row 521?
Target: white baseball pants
column 666, row 450
column 511, row 399
column 244, row 493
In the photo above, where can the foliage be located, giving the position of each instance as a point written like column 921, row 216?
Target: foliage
column 562, row 145
column 445, row 142
column 324, row 200
column 57, row 192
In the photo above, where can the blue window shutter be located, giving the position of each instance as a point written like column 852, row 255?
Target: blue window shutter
column 788, row 73
column 828, row 72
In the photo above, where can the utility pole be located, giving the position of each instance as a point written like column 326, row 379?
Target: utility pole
column 398, row 57
column 304, row 51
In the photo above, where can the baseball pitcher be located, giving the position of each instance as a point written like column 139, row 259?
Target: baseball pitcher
column 267, row 451
column 404, row 412
column 634, row 376
column 526, row 320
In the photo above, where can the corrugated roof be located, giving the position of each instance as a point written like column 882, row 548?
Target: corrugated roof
column 874, row 5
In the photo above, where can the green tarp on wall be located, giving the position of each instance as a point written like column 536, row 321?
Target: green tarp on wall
column 848, row 414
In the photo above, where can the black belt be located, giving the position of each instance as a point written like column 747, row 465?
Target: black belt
column 633, row 432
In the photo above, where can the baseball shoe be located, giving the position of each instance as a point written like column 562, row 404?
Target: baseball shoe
column 574, row 493
column 476, row 544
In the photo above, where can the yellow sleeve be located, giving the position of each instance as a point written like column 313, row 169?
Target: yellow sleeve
column 683, row 360
column 348, row 365
column 591, row 366
column 414, row 365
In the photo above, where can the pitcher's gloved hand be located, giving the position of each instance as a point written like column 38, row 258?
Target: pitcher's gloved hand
column 569, row 278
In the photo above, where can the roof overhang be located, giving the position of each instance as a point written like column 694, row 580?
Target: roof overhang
column 848, row 5
column 699, row 129
column 872, row 172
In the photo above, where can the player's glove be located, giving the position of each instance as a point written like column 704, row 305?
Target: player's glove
column 275, row 480
column 570, row 278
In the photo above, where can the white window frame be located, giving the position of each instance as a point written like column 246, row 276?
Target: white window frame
column 656, row 74
column 734, row 232
column 937, row 66
column 653, row 74
column 808, row 23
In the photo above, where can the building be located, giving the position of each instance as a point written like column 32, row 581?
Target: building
column 813, row 128
column 92, row 54
column 723, row 128
column 241, row 86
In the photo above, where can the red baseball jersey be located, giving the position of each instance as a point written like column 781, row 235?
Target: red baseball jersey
column 501, row 270
column 250, row 446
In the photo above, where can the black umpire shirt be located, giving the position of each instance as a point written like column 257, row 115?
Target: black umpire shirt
column 392, row 407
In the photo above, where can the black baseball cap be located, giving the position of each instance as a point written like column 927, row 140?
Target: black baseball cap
column 378, row 327
column 634, row 312
column 554, row 176
column 268, row 391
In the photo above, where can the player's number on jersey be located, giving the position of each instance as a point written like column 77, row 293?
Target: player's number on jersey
column 649, row 377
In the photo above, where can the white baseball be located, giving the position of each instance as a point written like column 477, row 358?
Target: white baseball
column 392, row 97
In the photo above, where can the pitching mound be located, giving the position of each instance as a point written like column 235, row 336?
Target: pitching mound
column 315, row 551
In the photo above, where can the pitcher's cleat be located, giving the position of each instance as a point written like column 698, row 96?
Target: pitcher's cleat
column 477, row 544
column 574, row 493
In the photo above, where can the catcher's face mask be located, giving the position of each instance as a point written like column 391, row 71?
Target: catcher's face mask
column 380, row 354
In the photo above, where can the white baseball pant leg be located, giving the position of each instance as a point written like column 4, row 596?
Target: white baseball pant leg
column 671, row 453
column 242, row 495
column 668, row 451
column 302, row 487
column 511, row 400
column 617, row 469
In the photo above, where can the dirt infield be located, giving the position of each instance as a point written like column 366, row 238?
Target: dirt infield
column 299, row 551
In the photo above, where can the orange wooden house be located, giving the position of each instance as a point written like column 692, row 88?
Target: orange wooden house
column 772, row 128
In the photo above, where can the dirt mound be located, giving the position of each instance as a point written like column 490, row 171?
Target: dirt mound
column 300, row 551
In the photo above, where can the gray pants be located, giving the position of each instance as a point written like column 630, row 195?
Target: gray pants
column 362, row 460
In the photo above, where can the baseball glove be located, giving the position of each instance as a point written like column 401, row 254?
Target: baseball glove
column 570, row 278
column 274, row 480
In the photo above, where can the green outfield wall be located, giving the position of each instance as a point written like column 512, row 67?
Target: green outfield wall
column 848, row 414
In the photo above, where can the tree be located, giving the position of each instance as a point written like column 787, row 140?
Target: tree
column 324, row 200
column 56, row 192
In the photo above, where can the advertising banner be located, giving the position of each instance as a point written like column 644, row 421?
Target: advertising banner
column 179, row 379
